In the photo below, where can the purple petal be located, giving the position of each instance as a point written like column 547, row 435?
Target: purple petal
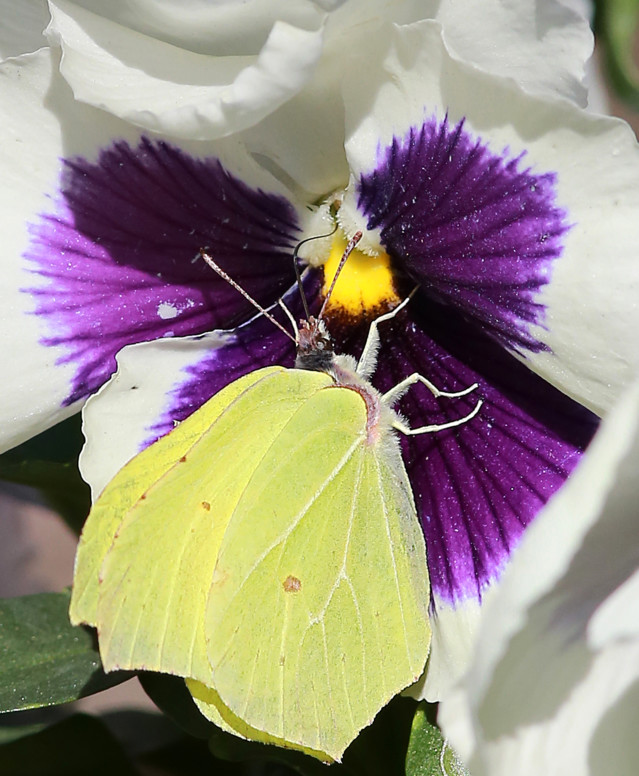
column 471, row 226
column 115, row 255
column 479, row 485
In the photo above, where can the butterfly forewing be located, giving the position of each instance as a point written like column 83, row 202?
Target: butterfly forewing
column 157, row 572
column 129, row 485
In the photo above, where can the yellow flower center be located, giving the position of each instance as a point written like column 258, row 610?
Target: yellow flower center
column 365, row 285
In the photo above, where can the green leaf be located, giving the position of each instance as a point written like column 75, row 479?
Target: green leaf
column 429, row 754
column 170, row 695
column 615, row 24
column 48, row 463
column 77, row 746
column 44, row 660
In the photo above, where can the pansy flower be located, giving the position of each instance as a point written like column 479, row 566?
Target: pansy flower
column 513, row 215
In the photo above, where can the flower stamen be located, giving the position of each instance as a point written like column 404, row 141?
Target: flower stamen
column 366, row 283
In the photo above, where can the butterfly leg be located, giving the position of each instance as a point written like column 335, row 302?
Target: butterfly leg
column 390, row 397
column 395, row 393
column 368, row 360
column 407, row 431
column 366, row 367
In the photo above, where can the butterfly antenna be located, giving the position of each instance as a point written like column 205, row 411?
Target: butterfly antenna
column 214, row 266
column 298, row 275
column 347, row 252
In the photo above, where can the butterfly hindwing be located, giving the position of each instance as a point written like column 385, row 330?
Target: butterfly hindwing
column 317, row 617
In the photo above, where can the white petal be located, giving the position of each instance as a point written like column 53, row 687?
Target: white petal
column 591, row 309
column 163, row 87
column 305, row 136
column 43, row 125
column 592, row 733
column 239, row 82
column 542, row 45
column 117, row 420
column 555, row 681
column 233, row 27
column 618, row 617
column 454, row 631
column 23, row 23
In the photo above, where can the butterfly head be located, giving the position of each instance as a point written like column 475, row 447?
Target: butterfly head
column 314, row 346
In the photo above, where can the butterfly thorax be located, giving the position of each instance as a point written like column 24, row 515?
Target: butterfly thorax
column 315, row 353
column 378, row 415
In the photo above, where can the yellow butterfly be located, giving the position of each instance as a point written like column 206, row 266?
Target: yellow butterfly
column 268, row 550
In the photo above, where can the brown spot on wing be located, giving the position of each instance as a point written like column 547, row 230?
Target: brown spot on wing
column 292, row 584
